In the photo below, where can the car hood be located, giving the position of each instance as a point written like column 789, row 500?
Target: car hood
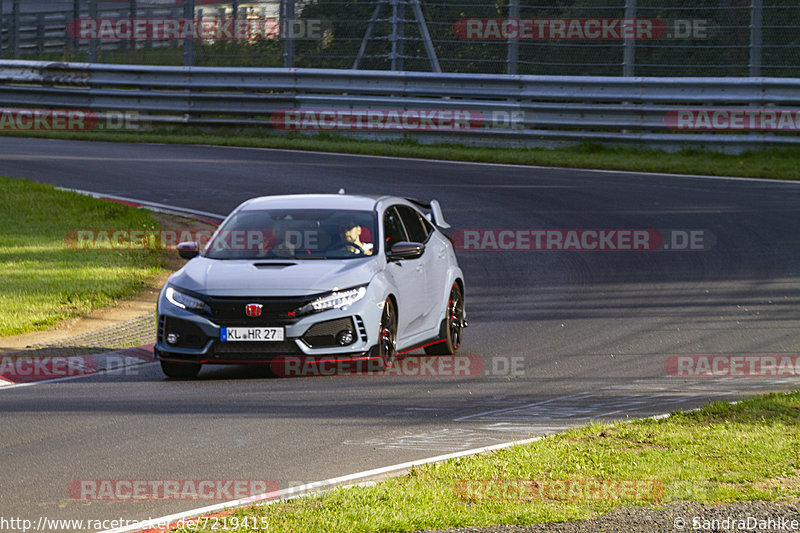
column 216, row 277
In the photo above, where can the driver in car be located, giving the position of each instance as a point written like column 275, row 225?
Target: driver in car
column 350, row 233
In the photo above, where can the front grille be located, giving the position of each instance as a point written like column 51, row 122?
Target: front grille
column 274, row 311
column 324, row 333
column 250, row 349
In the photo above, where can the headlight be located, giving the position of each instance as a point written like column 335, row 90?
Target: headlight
column 184, row 301
column 334, row 300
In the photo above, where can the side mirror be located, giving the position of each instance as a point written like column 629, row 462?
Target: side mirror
column 188, row 249
column 406, row 250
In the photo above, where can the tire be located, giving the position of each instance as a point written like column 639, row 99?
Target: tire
column 180, row 370
column 452, row 328
column 387, row 336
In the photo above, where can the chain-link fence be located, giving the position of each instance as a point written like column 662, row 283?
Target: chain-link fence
column 579, row 37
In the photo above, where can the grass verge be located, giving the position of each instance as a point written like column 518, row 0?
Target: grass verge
column 776, row 163
column 720, row 453
column 42, row 280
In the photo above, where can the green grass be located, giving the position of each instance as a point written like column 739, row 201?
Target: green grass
column 720, row 453
column 777, row 163
column 42, row 280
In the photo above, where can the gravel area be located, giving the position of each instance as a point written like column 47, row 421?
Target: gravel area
column 135, row 332
column 670, row 518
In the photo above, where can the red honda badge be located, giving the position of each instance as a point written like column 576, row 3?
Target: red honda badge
column 253, row 309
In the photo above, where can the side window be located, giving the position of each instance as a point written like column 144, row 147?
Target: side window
column 427, row 225
column 392, row 228
column 417, row 231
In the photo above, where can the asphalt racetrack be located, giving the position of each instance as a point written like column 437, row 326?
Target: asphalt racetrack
column 557, row 337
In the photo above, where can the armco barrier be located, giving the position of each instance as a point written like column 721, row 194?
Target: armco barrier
column 731, row 114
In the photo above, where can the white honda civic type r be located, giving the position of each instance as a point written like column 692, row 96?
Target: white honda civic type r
column 343, row 276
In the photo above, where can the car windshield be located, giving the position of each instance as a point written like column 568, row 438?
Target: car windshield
column 295, row 234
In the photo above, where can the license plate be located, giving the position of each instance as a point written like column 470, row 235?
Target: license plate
column 251, row 334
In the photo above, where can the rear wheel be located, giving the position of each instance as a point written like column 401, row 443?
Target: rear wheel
column 452, row 327
column 387, row 337
column 180, row 370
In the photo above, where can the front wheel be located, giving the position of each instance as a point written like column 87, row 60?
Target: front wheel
column 452, row 327
column 180, row 370
column 387, row 337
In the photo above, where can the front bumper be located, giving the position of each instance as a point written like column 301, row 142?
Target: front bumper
column 308, row 336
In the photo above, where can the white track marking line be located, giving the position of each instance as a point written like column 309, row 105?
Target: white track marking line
column 509, row 165
column 419, row 159
column 309, row 488
column 13, row 385
column 153, row 206
column 320, row 486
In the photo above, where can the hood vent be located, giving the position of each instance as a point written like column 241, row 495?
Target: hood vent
column 273, row 265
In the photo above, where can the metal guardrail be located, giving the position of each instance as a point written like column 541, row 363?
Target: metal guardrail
column 505, row 110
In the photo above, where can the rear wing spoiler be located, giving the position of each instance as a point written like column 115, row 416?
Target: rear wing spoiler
column 435, row 216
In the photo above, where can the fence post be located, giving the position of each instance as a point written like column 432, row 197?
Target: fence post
column 1, row 29
column 13, row 33
column 188, row 44
column 629, row 46
column 398, row 34
column 148, row 14
column 287, row 21
column 512, row 66
column 426, row 36
column 756, row 22
column 401, row 34
column 92, row 42
column 132, row 14
column 40, row 33
column 72, row 42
